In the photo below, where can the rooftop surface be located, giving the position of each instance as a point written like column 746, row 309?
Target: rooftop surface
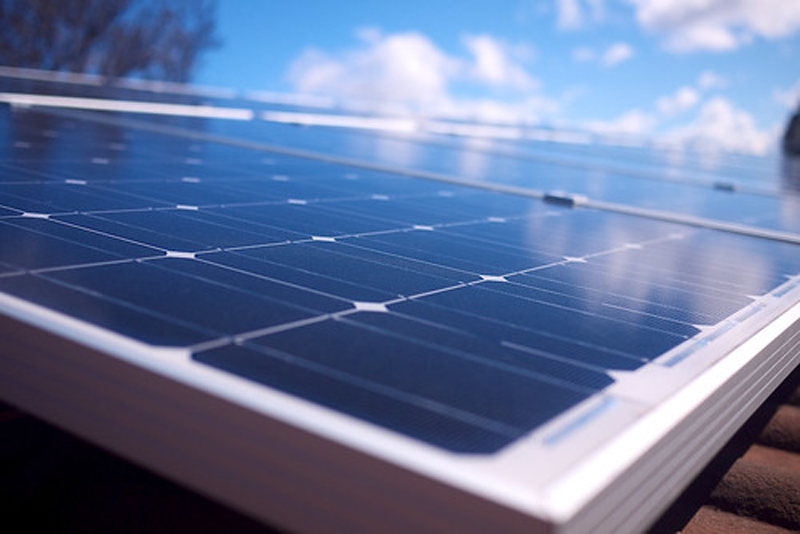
column 761, row 490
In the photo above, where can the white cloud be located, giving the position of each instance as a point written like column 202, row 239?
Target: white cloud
column 613, row 55
column 496, row 63
column 717, row 25
column 633, row 122
column 409, row 73
column 527, row 109
column 369, row 34
column 583, row 54
column 790, row 97
column 571, row 14
column 682, row 100
column 711, row 80
column 720, row 125
column 616, row 54
column 406, row 67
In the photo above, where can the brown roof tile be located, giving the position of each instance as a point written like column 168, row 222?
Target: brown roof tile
column 783, row 430
column 763, row 484
column 710, row 520
column 760, row 493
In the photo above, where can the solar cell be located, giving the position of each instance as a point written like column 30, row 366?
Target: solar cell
column 657, row 186
column 496, row 345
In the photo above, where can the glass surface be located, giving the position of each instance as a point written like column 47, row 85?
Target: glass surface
column 663, row 182
column 459, row 316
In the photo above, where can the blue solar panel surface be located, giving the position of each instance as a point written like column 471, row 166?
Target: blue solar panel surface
column 652, row 184
column 461, row 317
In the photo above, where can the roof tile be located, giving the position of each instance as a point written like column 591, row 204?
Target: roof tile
column 710, row 520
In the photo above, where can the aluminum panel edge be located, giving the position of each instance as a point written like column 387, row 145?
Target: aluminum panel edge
column 301, row 481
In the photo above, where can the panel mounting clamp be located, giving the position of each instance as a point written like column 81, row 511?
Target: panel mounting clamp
column 564, row 199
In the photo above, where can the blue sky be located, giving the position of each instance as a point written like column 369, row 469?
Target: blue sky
column 694, row 70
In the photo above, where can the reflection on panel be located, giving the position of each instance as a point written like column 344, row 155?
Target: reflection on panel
column 461, row 317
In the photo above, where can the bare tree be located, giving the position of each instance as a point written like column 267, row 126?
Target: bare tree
column 158, row 39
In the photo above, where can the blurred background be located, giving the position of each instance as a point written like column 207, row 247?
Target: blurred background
column 713, row 73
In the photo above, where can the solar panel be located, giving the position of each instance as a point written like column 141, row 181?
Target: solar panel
column 337, row 328
column 654, row 186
